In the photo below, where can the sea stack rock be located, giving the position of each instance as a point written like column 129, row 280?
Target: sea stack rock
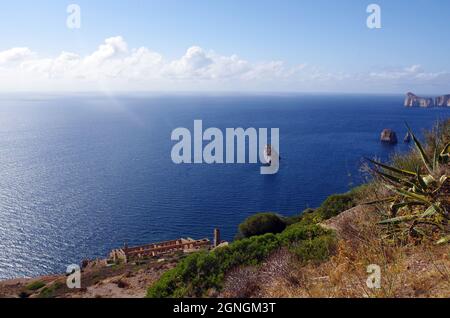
column 407, row 138
column 413, row 100
column 410, row 100
column 443, row 101
column 389, row 136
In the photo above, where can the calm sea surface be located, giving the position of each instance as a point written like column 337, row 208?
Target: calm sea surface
column 80, row 176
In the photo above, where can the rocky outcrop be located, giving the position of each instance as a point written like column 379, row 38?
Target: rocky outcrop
column 407, row 138
column 389, row 136
column 443, row 101
column 347, row 224
column 413, row 100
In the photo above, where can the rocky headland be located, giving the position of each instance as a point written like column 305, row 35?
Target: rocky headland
column 413, row 100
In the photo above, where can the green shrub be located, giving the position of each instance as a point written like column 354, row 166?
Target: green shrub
column 36, row 285
column 299, row 232
column 200, row 272
column 260, row 224
column 298, row 218
column 331, row 207
column 50, row 291
column 259, row 236
column 167, row 285
column 317, row 249
column 335, row 205
column 311, row 218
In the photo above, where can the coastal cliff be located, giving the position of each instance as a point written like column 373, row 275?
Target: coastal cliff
column 443, row 101
column 413, row 100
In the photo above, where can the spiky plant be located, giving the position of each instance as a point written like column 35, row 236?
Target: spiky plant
column 420, row 204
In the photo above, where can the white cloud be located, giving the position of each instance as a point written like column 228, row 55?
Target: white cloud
column 114, row 66
column 113, row 63
column 413, row 72
column 413, row 68
column 194, row 63
column 15, row 55
column 112, row 48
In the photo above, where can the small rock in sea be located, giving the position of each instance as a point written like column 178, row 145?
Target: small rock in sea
column 407, row 138
column 389, row 136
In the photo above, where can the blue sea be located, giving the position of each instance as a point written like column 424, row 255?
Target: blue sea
column 81, row 175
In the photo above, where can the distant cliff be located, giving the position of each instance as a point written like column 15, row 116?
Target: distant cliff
column 413, row 100
column 443, row 101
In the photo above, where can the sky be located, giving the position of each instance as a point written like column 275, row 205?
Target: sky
column 225, row 45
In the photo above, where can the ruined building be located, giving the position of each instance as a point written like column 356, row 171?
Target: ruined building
column 155, row 250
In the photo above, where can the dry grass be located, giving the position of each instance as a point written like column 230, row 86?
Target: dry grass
column 407, row 271
column 250, row 281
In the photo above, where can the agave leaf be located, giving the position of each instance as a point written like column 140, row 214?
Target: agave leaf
column 393, row 169
column 408, row 194
column 429, row 180
column 405, row 204
column 439, row 184
column 400, row 219
column 433, row 209
column 418, row 231
column 445, row 154
column 444, row 240
column 419, row 147
column 422, row 183
column 431, row 223
column 396, row 207
column 446, row 150
column 436, row 159
column 392, row 199
column 394, row 179
column 406, row 218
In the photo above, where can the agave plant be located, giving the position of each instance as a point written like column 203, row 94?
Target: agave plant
column 421, row 198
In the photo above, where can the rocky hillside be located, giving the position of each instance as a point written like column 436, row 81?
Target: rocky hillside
column 97, row 281
column 406, row 270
